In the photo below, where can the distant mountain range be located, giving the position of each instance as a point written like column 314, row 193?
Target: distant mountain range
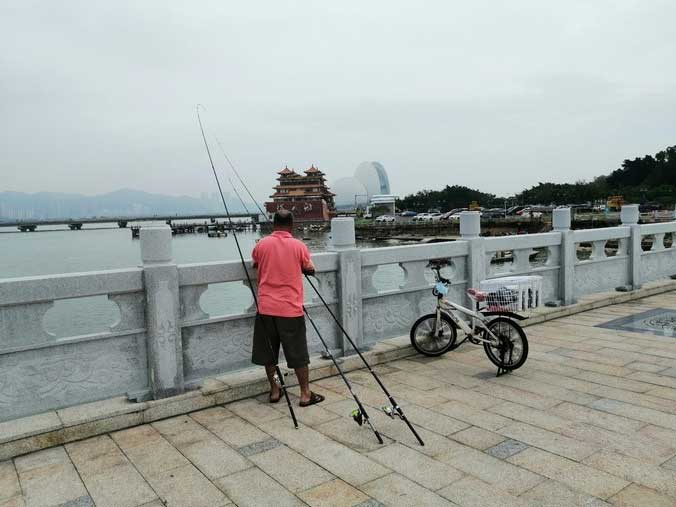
column 124, row 202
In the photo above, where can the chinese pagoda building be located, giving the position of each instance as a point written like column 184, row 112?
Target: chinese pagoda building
column 306, row 196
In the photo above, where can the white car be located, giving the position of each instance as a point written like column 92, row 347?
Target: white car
column 385, row 218
column 421, row 217
column 434, row 217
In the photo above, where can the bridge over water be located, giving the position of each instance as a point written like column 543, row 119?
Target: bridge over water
column 122, row 221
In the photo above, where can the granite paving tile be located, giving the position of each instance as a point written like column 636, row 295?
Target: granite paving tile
column 234, row 431
column 291, row 469
column 254, row 488
column 9, row 481
column 503, row 476
column 646, row 474
column 338, row 459
column 478, row 438
column 481, row 418
column 335, row 493
column 422, row 469
column 506, row 449
column 579, row 477
column 555, row 494
column 48, row 478
column 644, row 414
column 472, row 492
column 395, row 489
column 187, row 486
column 548, row 441
column 597, row 418
column 639, row 496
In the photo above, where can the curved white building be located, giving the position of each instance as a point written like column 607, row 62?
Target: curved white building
column 349, row 193
column 374, row 177
column 370, row 180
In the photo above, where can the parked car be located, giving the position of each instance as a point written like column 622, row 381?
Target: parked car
column 421, row 217
column 408, row 213
column 448, row 214
column 493, row 213
column 529, row 212
column 434, row 217
column 514, row 210
column 385, row 218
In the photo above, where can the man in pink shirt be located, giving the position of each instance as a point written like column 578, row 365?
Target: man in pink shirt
column 281, row 260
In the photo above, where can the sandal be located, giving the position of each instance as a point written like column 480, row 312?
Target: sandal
column 314, row 399
column 275, row 400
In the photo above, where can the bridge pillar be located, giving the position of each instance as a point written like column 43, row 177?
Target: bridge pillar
column 160, row 276
column 629, row 215
column 561, row 223
column 349, row 286
column 470, row 231
column 122, row 224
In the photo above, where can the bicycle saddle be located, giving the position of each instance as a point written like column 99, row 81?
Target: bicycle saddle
column 477, row 295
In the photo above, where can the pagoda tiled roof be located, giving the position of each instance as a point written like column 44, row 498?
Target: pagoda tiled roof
column 313, row 170
column 286, row 171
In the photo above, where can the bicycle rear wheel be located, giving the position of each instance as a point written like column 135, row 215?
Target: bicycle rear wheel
column 512, row 351
column 430, row 341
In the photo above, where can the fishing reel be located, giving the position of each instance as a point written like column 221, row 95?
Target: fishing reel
column 358, row 416
column 276, row 379
column 391, row 411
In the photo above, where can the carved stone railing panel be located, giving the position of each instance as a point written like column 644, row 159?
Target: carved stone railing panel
column 212, row 349
column 522, row 260
column 326, row 285
column 132, row 311
column 367, row 287
column 21, row 325
column 658, row 242
column 414, row 275
column 598, row 250
column 35, row 381
column 190, row 296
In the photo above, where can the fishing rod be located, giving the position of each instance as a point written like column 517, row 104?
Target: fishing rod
column 360, row 415
column 279, row 378
column 393, row 410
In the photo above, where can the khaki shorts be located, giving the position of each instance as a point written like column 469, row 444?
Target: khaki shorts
column 289, row 331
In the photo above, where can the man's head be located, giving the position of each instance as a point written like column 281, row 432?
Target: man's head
column 283, row 220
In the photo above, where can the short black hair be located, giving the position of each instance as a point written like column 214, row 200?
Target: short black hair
column 283, row 218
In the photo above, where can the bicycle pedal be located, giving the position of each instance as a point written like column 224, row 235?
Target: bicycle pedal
column 357, row 416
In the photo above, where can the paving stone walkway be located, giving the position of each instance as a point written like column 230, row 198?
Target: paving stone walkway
column 590, row 420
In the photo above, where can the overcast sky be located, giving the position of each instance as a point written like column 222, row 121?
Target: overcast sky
column 97, row 96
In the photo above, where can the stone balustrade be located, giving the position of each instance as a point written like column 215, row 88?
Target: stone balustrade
column 165, row 342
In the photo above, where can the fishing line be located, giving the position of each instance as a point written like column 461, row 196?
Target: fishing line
column 279, row 377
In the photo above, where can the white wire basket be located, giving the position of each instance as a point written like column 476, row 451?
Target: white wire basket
column 514, row 293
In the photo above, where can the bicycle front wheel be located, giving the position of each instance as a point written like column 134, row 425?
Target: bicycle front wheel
column 512, row 350
column 430, row 339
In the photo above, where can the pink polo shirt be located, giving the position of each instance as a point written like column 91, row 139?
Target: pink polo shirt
column 280, row 258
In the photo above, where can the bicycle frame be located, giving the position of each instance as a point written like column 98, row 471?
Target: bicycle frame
column 449, row 308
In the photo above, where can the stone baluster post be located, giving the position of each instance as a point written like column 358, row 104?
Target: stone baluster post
column 470, row 231
column 629, row 217
column 349, row 286
column 160, row 278
column 568, row 256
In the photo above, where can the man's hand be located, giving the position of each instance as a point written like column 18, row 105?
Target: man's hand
column 308, row 269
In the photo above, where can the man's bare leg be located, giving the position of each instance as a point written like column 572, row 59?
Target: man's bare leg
column 303, row 375
column 275, row 391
